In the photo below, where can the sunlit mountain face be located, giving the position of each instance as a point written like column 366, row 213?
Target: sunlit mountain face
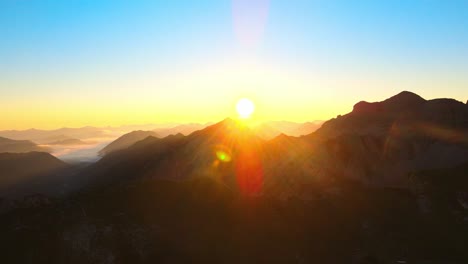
column 241, row 131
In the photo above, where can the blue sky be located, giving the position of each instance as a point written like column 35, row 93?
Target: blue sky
column 111, row 54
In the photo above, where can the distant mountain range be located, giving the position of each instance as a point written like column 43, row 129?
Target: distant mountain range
column 68, row 141
column 266, row 130
column 47, row 136
column 184, row 129
column 88, row 132
column 272, row 129
column 19, row 146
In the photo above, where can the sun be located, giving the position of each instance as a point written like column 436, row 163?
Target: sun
column 245, row 107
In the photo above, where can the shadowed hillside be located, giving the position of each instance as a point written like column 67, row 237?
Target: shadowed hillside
column 23, row 168
column 126, row 141
column 19, row 146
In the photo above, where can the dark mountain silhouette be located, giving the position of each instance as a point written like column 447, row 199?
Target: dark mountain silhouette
column 380, row 143
column 266, row 130
column 19, row 168
column 377, row 143
column 126, row 141
column 406, row 111
column 182, row 157
column 133, row 137
column 19, row 146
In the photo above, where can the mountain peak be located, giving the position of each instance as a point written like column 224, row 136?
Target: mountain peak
column 401, row 101
column 405, row 98
column 227, row 128
column 226, row 124
column 282, row 136
column 228, row 121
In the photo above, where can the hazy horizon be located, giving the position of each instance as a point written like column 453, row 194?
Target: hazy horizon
column 152, row 126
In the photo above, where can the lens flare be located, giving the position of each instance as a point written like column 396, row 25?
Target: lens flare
column 245, row 108
column 249, row 171
column 223, row 156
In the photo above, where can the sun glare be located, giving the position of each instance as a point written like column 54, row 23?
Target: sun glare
column 245, row 108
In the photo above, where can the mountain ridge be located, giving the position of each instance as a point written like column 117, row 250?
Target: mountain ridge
column 19, row 146
column 377, row 147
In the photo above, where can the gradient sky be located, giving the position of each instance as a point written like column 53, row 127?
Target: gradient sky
column 97, row 62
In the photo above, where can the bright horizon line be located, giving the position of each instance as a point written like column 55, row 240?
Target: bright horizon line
column 160, row 125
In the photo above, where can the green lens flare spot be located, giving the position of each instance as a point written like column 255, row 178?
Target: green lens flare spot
column 223, row 156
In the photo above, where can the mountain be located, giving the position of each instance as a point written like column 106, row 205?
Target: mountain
column 306, row 128
column 126, row 141
column 382, row 142
column 377, row 143
column 131, row 138
column 442, row 191
column 285, row 127
column 18, row 146
column 23, row 168
column 272, row 129
column 266, row 131
column 46, row 136
column 68, row 141
column 404, row 112
column 184, row 129
column 210, row 152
